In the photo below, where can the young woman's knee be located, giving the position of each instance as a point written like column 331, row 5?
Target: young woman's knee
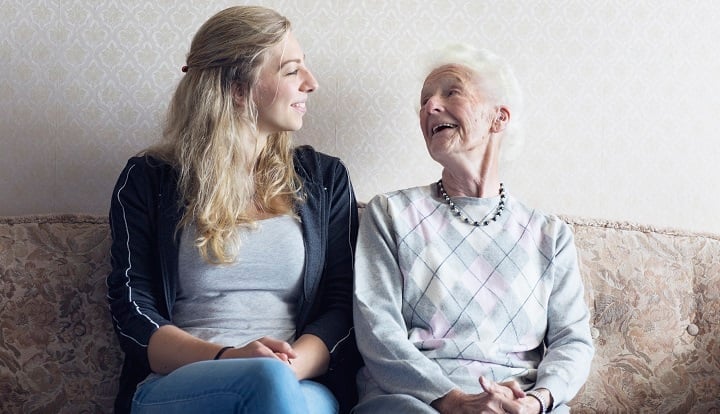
column 273, row 374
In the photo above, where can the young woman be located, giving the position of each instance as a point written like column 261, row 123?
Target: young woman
column 231, row 282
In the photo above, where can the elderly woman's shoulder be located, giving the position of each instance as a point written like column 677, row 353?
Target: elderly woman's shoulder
column 396, row 201
column 538, row 218
column 405, row 196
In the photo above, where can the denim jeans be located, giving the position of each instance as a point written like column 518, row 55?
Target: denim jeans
column 252, row 385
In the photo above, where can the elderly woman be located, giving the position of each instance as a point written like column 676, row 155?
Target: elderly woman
column 466, row 300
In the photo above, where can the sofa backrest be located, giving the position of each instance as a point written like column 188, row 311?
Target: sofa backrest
column 654, row 295
column 58, row 352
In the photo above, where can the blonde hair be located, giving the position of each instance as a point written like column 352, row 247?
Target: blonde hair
column 211, row 139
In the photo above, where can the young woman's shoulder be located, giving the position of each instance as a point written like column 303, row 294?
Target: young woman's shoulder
column 146, row 172
column 312, row 163
column 306, row 155
column 148, row 166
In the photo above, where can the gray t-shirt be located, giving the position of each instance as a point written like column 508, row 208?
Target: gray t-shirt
column 254, row 296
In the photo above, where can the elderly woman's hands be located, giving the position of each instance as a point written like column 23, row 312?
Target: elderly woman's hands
column 457, row 401
column 498, row 398
column 517, row 403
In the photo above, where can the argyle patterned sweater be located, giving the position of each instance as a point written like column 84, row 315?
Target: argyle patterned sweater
column 439, row 302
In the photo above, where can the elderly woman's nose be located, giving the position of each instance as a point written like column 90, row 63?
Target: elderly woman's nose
column 433, row 104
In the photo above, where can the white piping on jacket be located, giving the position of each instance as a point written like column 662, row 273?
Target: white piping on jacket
column 127, row 270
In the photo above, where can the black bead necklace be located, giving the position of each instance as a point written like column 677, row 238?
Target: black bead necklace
column 466, row 219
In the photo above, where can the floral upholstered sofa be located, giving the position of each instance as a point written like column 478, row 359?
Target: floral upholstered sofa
column 654, row 296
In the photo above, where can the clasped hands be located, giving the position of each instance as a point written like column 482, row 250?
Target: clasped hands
column 498, row 398
column 264, row 347
column 308, row 356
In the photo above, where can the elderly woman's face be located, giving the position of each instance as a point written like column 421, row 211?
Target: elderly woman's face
column 455, row 117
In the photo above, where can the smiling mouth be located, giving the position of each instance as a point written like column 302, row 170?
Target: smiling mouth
column 442, row 127
column 300, row 106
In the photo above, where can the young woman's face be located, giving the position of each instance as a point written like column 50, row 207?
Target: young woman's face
column 283, row 88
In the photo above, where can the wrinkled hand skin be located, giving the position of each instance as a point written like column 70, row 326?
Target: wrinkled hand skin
column 498, row 398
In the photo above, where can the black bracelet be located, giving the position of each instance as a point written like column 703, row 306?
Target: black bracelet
column 222, row 351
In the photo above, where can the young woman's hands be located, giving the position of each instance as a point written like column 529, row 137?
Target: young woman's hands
column 171, row 348
column 263, row 347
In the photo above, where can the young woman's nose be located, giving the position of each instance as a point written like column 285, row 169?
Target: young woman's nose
column 310, row 84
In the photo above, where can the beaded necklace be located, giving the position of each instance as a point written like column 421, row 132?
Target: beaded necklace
column 498, row 210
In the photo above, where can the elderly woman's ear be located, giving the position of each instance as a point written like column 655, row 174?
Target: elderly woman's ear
column 502, row 117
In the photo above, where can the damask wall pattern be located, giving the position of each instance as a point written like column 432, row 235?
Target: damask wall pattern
column 621, row 116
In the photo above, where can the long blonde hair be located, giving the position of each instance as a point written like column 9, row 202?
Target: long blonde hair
column 211, row 139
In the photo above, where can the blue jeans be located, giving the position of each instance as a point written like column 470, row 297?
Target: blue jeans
column 252, row 385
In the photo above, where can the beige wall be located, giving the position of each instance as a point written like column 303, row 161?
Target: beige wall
column 623, row 97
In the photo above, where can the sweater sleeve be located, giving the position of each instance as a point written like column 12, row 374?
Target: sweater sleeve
column 566, row 364
column 382, row 335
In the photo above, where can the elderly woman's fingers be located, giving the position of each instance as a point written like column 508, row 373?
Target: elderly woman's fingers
column 492, row 387
column 515, row 387
column 510, row 390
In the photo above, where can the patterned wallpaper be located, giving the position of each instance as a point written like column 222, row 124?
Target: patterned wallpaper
column 622, row 98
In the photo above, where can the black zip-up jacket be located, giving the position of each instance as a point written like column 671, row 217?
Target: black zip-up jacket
column 144, row 213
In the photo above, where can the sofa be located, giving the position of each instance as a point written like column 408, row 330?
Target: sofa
column 654, row 294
